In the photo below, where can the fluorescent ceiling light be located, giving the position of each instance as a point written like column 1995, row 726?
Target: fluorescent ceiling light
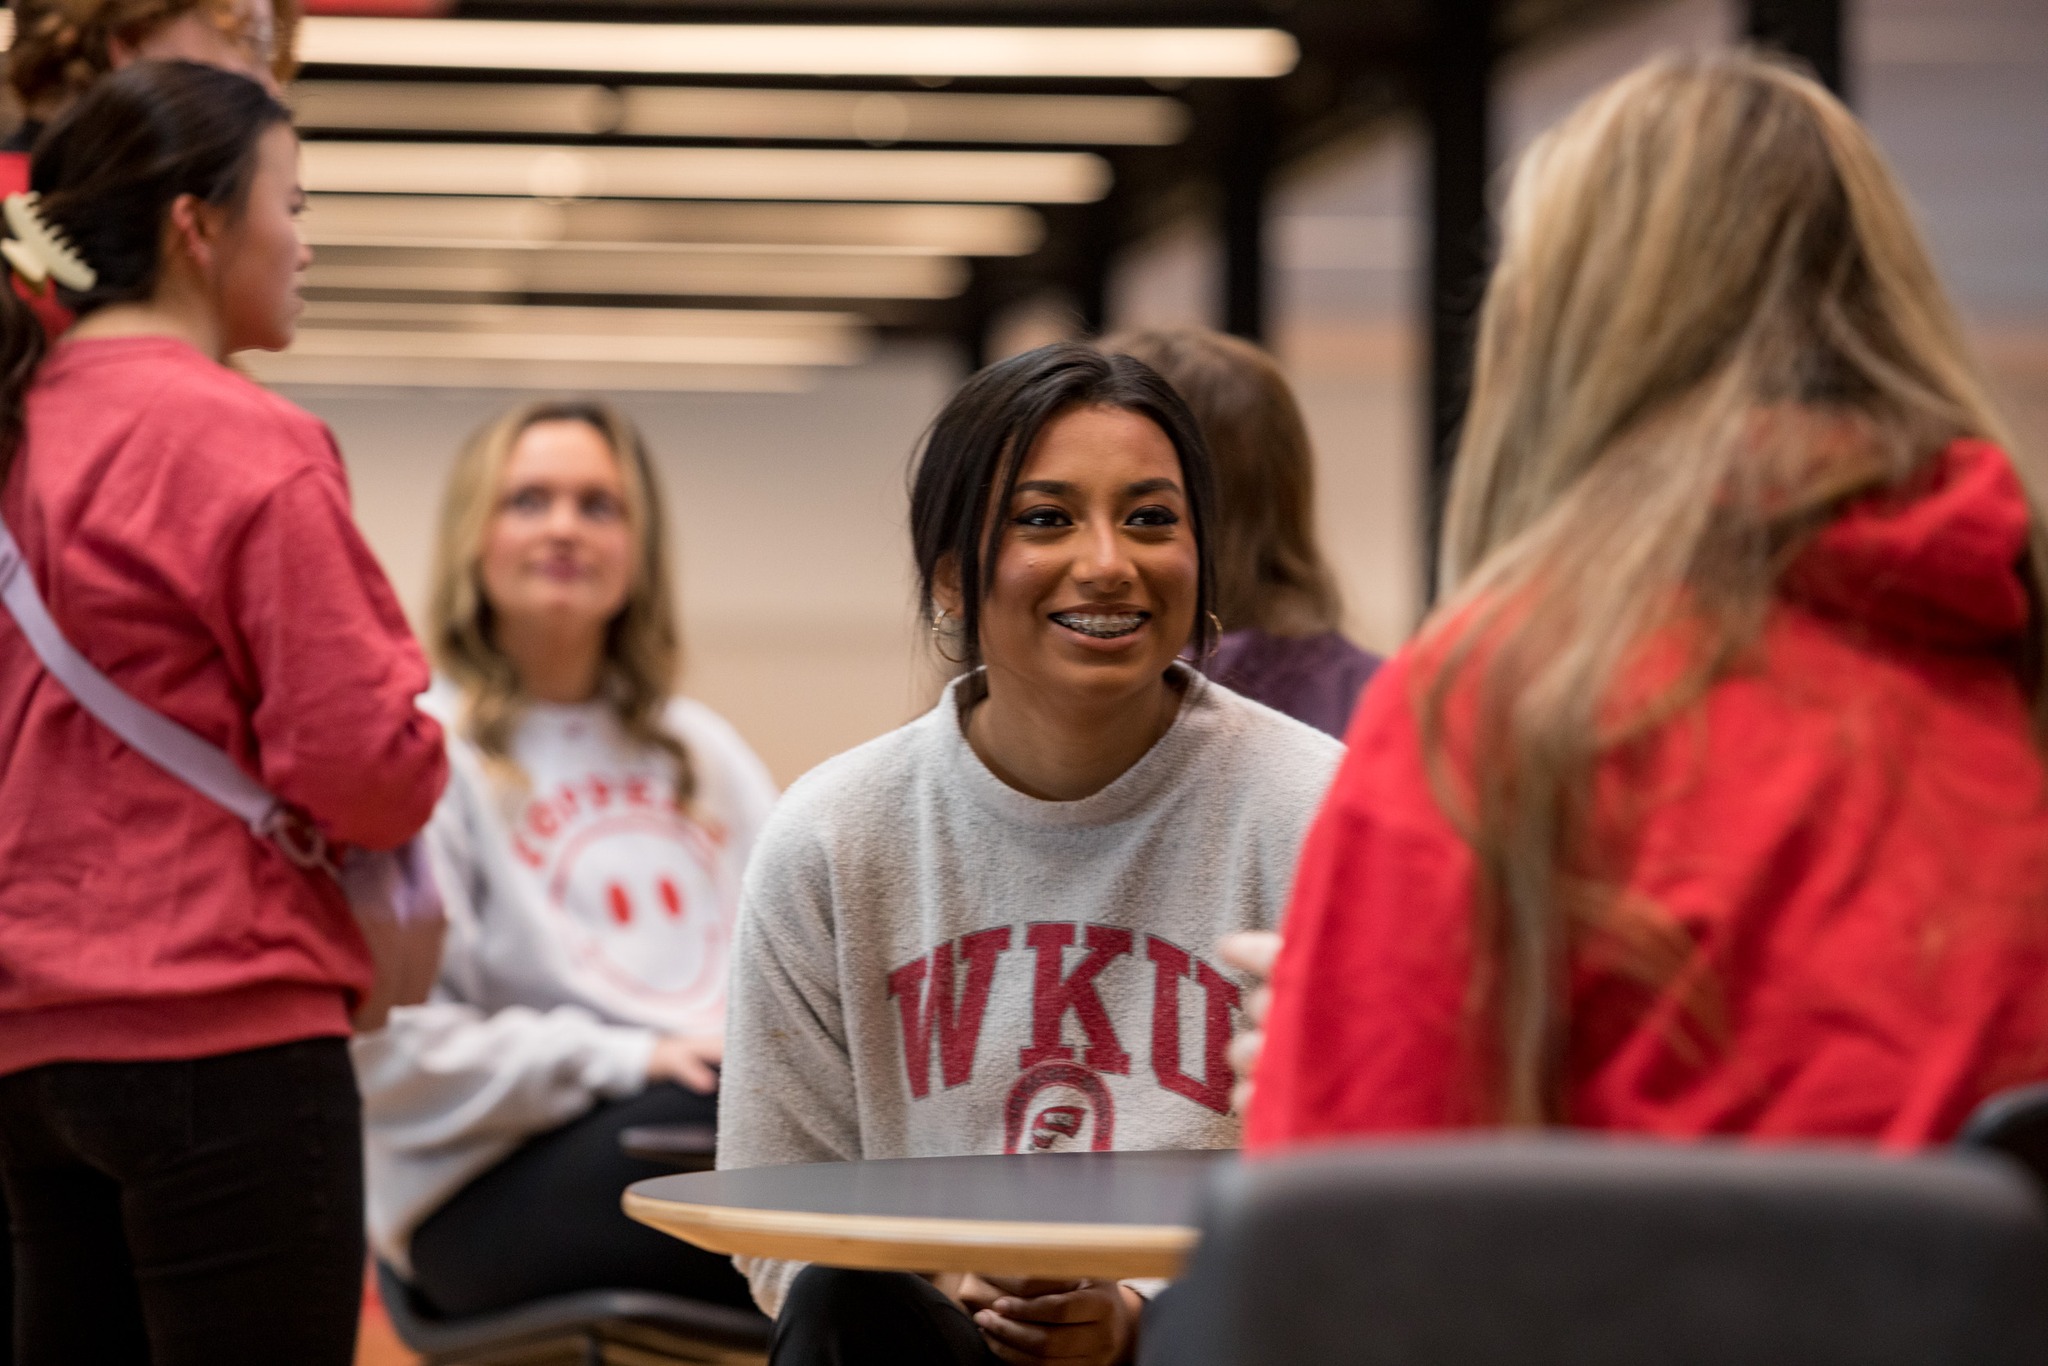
column 628, row 268
column 916, row 229
column 703, row 172
column 496, row 346
column 797, row 49
column 804, row 115
column 529, row 376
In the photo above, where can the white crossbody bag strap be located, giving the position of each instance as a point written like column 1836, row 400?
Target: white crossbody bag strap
column 165, row 743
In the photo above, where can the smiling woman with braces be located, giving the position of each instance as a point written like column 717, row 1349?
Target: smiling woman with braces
column 981, row 932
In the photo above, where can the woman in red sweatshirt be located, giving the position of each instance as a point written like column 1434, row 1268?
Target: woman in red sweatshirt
column 179, row 1125
column 1712, row 799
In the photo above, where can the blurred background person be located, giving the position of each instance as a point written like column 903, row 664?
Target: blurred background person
column 1275, row 595
column 61, row 47
column 590, row 849
column 180, row 1133
column 1712, row 801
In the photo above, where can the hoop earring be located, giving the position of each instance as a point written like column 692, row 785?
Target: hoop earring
column 938, row 629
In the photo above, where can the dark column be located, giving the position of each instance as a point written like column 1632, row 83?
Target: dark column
column 1808, row 29
column 1457, row 98
column 1097, row 247
column 1250, row 145
column 974, row 314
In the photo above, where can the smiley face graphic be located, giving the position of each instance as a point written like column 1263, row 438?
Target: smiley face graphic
column 645, row 896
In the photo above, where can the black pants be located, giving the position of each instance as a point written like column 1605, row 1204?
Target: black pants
column 546, row 1221
column 207, row 1211
column 873, row 1318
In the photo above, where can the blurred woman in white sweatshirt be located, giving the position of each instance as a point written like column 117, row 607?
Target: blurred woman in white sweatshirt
column 590, row 845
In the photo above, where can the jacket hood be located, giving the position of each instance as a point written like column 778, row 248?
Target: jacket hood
column 1939, row 562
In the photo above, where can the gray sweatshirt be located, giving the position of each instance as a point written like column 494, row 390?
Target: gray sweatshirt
column 931, row 963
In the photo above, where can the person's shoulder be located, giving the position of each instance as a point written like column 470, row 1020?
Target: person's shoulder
column 706, row 734
column 443, row 701
column 1265, row 737
column 858, row 795
column 240, row 434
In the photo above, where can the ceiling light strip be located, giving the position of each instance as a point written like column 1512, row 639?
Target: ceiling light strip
column 875, row 117
column 930, row 229
column 798, row 49
column 531, row 376
column 722, row 173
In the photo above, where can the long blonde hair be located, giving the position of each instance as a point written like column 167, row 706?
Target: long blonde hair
column 642, row 646
column 1270, row 572
column 1713, row 322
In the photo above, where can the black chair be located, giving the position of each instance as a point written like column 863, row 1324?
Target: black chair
column 679, row 1147
column 1584, row 1252
column 2015, row 1123
column 595, row 1328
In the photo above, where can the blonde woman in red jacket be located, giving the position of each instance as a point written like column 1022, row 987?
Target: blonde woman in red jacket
column 179, row 1127
column 1712, row 800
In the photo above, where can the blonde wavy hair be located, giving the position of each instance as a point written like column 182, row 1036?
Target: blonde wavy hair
column 1270, row 571
column 642, row 646
column 62, row 46
column 1713, row 322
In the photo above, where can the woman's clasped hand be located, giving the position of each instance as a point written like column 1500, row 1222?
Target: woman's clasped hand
column 1085, row 1322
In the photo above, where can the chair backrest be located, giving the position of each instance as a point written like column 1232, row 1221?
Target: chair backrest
column 2015, row 1123
column 1597, row 1252
column 660, row 1327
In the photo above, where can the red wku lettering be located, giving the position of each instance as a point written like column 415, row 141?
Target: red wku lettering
column 958, row 1019
column 1171, row 964
column 1053, row 995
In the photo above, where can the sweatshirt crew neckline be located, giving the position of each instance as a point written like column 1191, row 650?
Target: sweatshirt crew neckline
column 1132, row 791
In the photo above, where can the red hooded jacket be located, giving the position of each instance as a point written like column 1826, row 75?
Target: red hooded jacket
column 1853, row 835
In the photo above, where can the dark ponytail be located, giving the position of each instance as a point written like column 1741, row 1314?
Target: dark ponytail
column 107, row 172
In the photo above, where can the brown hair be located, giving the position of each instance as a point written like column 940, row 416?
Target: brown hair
column 1712, row 324
column 62, row 46
column 1270, row 572
column 642, row 647
column 107, row 173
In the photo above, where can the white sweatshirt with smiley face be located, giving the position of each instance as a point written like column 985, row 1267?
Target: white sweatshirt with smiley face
column 587, row 916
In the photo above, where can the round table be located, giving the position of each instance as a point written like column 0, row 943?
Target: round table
column 1116, row 1216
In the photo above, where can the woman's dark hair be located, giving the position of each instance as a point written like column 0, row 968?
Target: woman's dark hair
column 106, row 173
column 978, row 444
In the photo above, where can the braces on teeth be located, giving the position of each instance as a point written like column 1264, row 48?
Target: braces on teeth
column 1101, row 625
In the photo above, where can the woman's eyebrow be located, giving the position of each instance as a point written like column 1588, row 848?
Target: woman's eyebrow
column 1145, row 486
column 1056, row 488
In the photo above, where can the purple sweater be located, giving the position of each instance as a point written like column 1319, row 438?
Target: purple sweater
column 1314, row 679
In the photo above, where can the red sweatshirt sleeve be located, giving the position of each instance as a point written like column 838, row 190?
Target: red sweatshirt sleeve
column 1367, row 1029
column 337, row 726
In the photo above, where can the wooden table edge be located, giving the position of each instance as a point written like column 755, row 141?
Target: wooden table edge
column 874, row 1242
